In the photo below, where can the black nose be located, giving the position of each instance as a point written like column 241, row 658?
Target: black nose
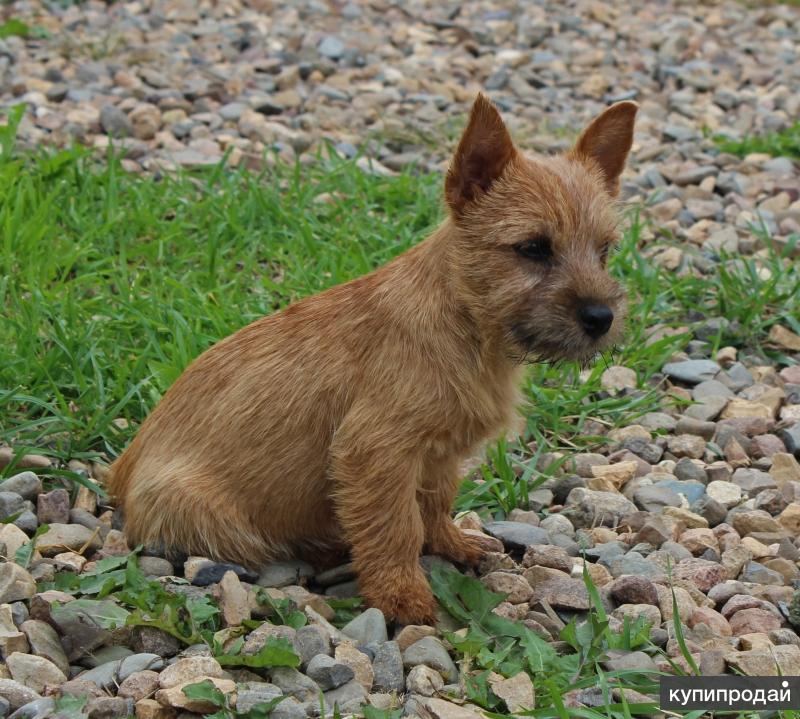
column 596, row 319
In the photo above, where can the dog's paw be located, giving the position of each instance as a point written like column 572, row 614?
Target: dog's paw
column 406, row 601
column 461, row 547
column 413, row 608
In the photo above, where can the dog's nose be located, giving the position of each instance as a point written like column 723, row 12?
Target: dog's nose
column 596, row 319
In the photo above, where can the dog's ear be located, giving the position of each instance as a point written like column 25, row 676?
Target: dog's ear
column 605, row 143
column 483, row 152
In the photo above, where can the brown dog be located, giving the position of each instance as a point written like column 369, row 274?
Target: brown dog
column 341, row 421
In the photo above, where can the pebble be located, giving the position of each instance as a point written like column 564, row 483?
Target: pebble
column 691, row 371
column 33, row 671
column 430, row 652
column 369, row 627
column 25, row 484
column 328, row 673
column 424, row 681
column 517, row 535
column 388, row 668
column 16, row 693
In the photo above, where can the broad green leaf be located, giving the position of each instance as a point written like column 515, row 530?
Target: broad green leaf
column 205, row 691
column 277, row 652
column 100, row 612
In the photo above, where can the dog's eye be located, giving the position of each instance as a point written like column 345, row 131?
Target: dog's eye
column 539, row 249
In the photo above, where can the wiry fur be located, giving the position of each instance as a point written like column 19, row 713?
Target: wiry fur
column 339, row 423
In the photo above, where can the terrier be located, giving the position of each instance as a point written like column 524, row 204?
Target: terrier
column 339, row 423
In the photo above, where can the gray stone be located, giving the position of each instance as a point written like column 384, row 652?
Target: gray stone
column 114, row 672
column 282, row 574
column 780, row 166
column 388, row 669
column 329, row 673
column 27, row 522
column 634, row 563
column 104, row 655
column 310, row 641
column 517, row 535
column 691, row 371
column 290, row 708
column 752, row 481
column 710, row 388
column 690, row 489
column 213, row 572
column 349, row 697
column 16, row 694
column 694, row 175
column 791, row 438
column 607, row 552
column 759, row 574
column 232, row 111
column 707, row 409
column 26, row 484
column 623, row 661
column 738, row 377
column 254, row 693
column 431, row 652
column 292, row 682
column 44, row 642
column 687, row 470
column 37, row 709
column 331, row 47
column 653, row 498
column 11, row 503
column 115, row 122
column 590, row 508
column 156, row 567
column 369, row 627
column 710, row 509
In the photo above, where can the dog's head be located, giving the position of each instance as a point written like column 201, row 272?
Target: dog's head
column 533, row 234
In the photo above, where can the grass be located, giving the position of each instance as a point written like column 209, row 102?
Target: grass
column 112, row 283
column 781, row 143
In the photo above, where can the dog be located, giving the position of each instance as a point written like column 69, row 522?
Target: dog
column 339, row 423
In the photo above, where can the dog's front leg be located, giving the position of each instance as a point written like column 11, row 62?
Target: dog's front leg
column 436, row 496
column 376, row 505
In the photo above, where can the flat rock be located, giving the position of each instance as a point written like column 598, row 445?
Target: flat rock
column 26, row 484
column 557, row 589
column 282, row 574
column 517, row 535
column 691, row 371
column 67, row 537
column 591, row 508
